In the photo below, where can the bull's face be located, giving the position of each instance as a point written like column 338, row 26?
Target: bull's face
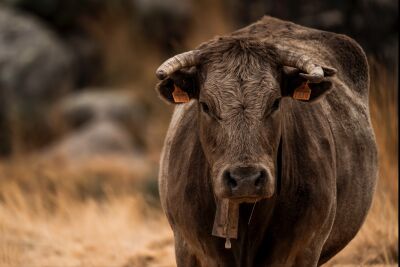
column 240, row 130
column 239, row 112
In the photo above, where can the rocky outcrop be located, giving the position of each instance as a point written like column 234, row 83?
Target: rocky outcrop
column 35, row 69
column 95, row 139
column 94, row 105
column 34, row 64
column 99, row 123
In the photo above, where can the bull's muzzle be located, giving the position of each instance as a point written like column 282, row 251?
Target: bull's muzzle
column 247, row 183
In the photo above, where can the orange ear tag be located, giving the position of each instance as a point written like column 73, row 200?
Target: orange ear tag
column 179, row 95
column 303, row 92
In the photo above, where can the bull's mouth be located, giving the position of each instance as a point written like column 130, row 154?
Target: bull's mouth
column 246, row 199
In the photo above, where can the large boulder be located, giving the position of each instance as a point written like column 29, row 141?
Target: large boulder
column 90, row 106
column 100, row 148
column 94, row 139
column 34, row 64
column 65, row 18
column 35, row 69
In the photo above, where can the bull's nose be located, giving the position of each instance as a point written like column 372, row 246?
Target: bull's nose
column 245, row 181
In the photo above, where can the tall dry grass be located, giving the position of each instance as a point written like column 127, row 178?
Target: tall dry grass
column 98, row 216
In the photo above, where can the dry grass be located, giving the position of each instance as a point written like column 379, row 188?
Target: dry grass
column 119, row 232
column 52, row 216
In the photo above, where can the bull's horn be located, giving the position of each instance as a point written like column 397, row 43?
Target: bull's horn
column 312, row 72
column 177, row 62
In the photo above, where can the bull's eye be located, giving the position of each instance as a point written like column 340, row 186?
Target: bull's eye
column 275, row 105
column 205, row 108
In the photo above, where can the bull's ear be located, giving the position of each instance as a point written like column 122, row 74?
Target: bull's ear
column 296, row 85
column 179, row 87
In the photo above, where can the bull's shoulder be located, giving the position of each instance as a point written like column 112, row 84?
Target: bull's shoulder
column 180, row 135
column 179, row 138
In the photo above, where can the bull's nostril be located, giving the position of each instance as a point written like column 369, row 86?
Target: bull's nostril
column 257, row 182
column 229, row 180
column 232, row 183
column 260, row 179
column 244, row 180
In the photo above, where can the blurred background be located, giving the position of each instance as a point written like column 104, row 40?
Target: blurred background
column 81, row 126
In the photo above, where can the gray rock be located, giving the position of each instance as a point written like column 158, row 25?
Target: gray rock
column 95, row 139
column 98, row 104
column 35, row 69
column 33, row 62
column 101, row 146
column 117, row 106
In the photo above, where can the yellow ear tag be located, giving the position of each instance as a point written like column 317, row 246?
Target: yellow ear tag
column 303, row 92
column 179, row 95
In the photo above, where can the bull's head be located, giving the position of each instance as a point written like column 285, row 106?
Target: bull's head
column 238, row 85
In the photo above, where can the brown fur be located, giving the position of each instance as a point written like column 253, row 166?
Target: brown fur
column 328, row 163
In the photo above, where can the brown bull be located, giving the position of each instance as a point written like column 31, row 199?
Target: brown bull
column 274, row 150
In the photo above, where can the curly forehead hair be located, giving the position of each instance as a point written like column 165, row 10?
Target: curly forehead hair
column 237, row 54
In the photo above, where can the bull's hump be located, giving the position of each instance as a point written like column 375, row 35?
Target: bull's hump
column 269, row 28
